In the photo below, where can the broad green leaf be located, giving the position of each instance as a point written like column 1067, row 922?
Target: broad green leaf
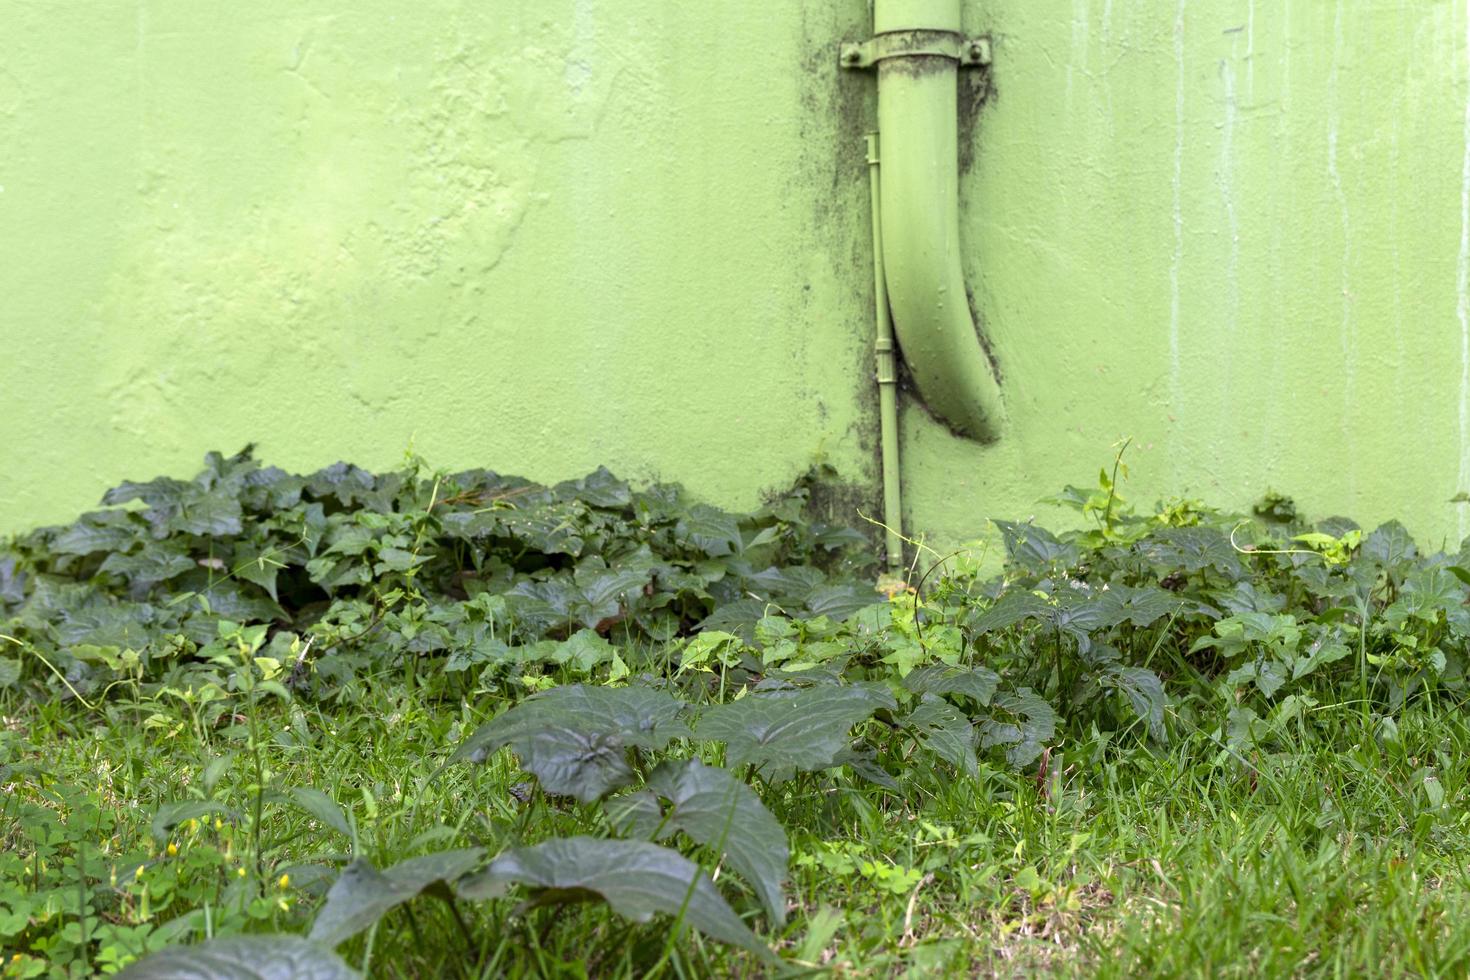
column 840, row 601
column 348, row 483
column 160, row 492
column 574, row 738
column 362, row 894
column 1426, row 594
column 9, row 672
column 1144, row 691
column 1034, row 547
column 1191, row 549
column 711, row 646
column 1390, row 545
column 717, row 810
column 943, row 730
column 739, row 617
column 584, row 650
column 1324, row 650
column 100, row 531
column 1079, row 613
column 712, row 531
column 1021, row 721
column 598, row 488
column 1267, row 673
column 1014, row 607
column 1141, row 607
column 12, row 581
column 273, row 957
column 635, row 878
column 977, row 683
column 803, row 730
column 154, row 563
column 260, row 565
column 211, row 514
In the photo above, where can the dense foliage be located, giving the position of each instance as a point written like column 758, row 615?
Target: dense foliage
column 349, row 573
column 665, row 669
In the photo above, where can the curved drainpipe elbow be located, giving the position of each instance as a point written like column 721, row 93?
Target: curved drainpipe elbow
column 918, row 49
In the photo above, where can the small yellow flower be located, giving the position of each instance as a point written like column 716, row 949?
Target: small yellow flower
column 284, row 881
column 219, row 824
column 190, row 824
column 173, row 849
column 239, row 872
column 138, row 875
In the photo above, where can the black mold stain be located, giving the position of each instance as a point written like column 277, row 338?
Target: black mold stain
column 977, row 90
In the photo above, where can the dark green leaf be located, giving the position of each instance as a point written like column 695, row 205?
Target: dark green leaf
column 161, row 492
column 156, row 562
column 213, row 514
column 738, row 617
column 840, row 601
column 274, row 957
column 1141, row 607
column 574, row 738
column 717, row 810
column 803, row 730
column 944, row 731
column 100, row 531
column 1011, row 608
column 713, row 531
column 362, row 894
column 977, row 683
column 1034, row 547
column 598, row 488
column 1144, row 691
column 1023, row 722
column 1191, row 549
column 1390, row 545
column 635, row 878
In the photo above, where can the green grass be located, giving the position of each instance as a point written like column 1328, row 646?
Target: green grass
column 1183, row 743
column 1330, row 858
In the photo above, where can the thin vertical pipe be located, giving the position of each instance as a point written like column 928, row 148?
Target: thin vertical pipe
column 887, row 374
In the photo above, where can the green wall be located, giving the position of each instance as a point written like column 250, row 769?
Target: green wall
column 547, row 234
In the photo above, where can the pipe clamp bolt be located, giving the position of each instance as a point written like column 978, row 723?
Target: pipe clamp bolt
column 968, row 52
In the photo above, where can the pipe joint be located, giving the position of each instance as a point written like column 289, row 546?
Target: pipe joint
column 887, row 362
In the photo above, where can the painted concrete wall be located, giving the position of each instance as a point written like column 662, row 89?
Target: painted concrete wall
column 547, row 234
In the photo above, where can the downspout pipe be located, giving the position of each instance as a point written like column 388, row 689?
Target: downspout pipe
column 918, row 49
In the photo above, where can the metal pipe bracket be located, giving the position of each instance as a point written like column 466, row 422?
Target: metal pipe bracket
column 970, row 52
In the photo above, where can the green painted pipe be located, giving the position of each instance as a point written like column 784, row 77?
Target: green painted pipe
column 887, row 371
column 918, row 117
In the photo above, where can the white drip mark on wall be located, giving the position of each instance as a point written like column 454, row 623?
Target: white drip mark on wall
column 140, row 69
column 1080, row 15
column 1250, row 51
column 1177, row 258
column 1346, row 331
column 1232, row 220
column 584, row 39
column 1463, row 288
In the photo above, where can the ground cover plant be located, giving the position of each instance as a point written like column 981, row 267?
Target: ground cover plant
column 418, row 723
